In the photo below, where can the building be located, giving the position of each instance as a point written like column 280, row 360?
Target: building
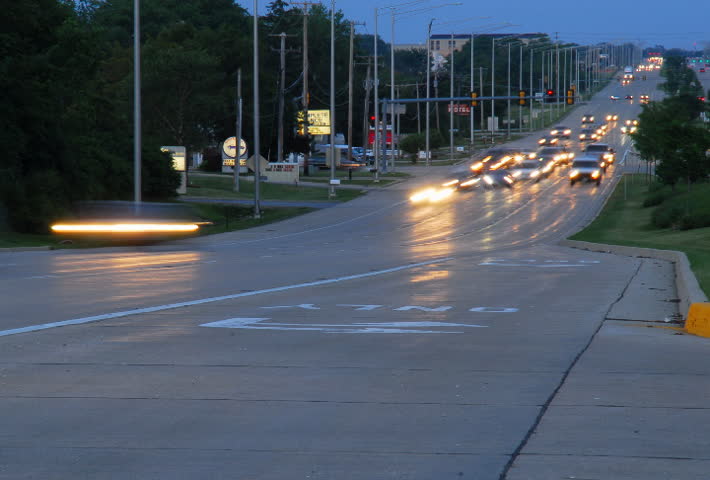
column 444, row 44
column 409, row 46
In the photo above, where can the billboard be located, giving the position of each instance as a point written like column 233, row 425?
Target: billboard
column 318, row 122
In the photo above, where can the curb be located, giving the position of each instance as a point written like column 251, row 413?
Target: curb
column 689, row 292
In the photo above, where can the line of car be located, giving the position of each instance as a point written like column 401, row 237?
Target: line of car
column 503, row 167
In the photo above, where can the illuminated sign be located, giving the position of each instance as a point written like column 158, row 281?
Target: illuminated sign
column 178, row 155
column 318, row 122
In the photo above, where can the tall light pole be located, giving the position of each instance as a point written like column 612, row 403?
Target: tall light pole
column 376, row 84
column 331, row 192
column 257, row 146
column 137, row 106
column 428, row 91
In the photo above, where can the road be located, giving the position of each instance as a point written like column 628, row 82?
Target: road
column 371, row 340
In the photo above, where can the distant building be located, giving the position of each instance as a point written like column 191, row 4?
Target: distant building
column 410, row 46
column 444, row 44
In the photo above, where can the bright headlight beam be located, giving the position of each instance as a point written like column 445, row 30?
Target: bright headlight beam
column 125, row 228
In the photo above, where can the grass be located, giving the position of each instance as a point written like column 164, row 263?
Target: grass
column 627, row 222
column 221, row 187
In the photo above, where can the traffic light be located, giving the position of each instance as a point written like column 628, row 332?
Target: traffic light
column 570, row 97
column 521, row 97
column 550, row 96
column 474, row 96
column 702, row 99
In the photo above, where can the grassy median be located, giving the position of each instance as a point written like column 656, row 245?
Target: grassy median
column 626, row 221
column 220, row 186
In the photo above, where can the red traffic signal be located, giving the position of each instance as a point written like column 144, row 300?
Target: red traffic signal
column 702, row 99
column 550, row 93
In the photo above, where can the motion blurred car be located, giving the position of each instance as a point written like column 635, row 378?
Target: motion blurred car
column 560, row 155
column 561, row 131
column 614, row 97
column 528, row 169
column 498, row 158
column 548, row 140
column 498, row 179
column 588, row 134
column 644, row 98
column 612, row 117
column 585, row 169
column 629, row 97
column 588, row 118
column 608, row 154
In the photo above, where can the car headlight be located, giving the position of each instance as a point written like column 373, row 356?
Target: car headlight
column 517, row 173
column 441, row 194
column 534, row 173
column 508, row 179
column 595, row 174
column 488, row 179
column 568, row 131
column 477, row 166
column 450, row 183
column 553, row 132
column 422, row 195
column 582, row 136
column 541, row 141
column 623, row 129
column 573, row 173
column 470, row 182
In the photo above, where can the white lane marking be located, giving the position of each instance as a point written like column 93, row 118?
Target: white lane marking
column 158, row 308
column 388, row 327
column 534, row 266
column 423, row 309
column 305, row 306
column 494, row 309
column 360, row 307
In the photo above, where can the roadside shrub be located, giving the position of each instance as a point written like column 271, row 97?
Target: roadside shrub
column 655, row 198
column 694, row 220
column 666, row 216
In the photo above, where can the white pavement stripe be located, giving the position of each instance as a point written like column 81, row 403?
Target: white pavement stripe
column 137, row 311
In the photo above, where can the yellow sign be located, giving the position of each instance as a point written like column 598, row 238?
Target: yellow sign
column 318, row 122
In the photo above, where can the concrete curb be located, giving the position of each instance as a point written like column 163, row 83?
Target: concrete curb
column 687, row 286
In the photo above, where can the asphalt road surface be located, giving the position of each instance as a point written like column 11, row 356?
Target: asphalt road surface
column 372, row 340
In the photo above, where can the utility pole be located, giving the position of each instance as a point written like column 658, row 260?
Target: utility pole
column 239, row 130
column 365, row 119
column 305, row 96
column 350, row 90
column 282, row 87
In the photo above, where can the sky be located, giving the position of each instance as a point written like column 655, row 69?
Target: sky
column 673, row 24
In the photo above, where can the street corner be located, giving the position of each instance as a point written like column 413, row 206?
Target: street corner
column 698, row 319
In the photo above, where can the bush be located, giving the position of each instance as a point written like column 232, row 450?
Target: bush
column 666, row 216
column 656, row 198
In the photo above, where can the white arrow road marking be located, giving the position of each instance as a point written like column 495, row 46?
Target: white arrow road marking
column 202, row 301
column 305, row 306
column 360, row 307
column 393, row 327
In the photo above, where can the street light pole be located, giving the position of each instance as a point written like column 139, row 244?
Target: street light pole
column 137, row 107
column 471, row 90
column 331, row 192
column 376, row 143
column 451, row 102
column 257, row 146
column 428, row 91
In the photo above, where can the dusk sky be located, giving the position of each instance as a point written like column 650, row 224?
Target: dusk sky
column 679, row 23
